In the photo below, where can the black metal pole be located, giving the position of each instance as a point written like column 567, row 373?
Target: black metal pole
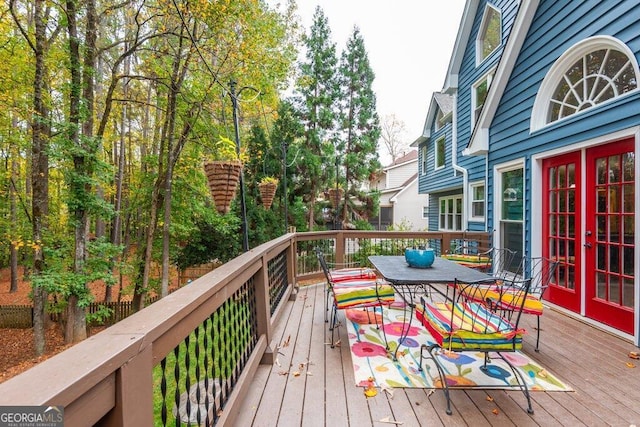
column 335, row 220
column 284, row 185
column 243, row 206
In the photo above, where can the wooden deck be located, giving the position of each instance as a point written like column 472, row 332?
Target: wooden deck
column 313, row 384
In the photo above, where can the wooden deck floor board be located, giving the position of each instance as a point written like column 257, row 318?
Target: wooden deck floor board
column 591, row 361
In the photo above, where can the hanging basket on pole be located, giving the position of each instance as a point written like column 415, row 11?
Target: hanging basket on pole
column 223, row 178
column 267, row 187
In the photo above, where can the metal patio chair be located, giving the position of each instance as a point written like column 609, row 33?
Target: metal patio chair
column 464, row 325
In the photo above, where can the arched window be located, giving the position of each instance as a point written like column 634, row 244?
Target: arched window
column 594, row 71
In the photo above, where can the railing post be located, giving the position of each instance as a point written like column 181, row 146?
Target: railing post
column 340, row 247
column 134, row 393
column 263, row 311
column 292, row 269
column 446, row 243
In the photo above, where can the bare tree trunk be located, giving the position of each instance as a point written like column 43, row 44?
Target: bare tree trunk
column 75, row 328
column 39, row 171
column 13, row 215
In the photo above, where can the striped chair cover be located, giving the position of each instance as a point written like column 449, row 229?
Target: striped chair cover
column 468, row 326
column 362, row 293
column 342, row 274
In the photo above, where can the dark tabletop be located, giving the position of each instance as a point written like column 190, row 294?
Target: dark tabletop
column 396, row 270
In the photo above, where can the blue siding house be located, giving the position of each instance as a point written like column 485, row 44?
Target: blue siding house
column 550, row 152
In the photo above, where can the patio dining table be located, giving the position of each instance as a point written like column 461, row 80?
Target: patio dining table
column 408, row 280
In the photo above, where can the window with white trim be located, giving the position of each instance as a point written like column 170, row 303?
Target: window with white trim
column 440, row 152
column 490, row 33
column 479, row 95
column 450, row 213
column 593, row 71
column 423, row 154
column 476, row 201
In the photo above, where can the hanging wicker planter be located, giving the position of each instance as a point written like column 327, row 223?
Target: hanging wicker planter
column 267, row 192
column 223, row 177
column 335, row 195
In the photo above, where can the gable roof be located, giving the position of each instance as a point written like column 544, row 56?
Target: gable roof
column 479, row 142
column 462, row 39
column 406, row 158
column 439, row 101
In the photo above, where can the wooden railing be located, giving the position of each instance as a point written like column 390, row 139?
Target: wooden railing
column 218, row 328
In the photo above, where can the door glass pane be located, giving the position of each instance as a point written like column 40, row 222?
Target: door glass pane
column 629, row 195
column 552, row 179
column 601, row 285
column 614, row 259
column 629, row 229
column 614, row 229
column 562, row 178
column 571, row 202
column 628, row 160
column 628, row 253
column 512, row 237
column 601, row 171
column 628, row 297
column 553, row 204
column 614, row 168
column 602, row 227
column 614, row 199
column 602, row 200
column 601, row 261
column 571, row 175
column 614, row 289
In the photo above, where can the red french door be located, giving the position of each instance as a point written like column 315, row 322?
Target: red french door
column 610, row 234
column 561, row 228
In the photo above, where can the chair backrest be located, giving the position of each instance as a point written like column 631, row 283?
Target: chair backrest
column 481, row 318
column 541, row 271
column 503, row 262
column 323, row 263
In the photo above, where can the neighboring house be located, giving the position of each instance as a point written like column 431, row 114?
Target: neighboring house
column 549, row 152
column 400, row 203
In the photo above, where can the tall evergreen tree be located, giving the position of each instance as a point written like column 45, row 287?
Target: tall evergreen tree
column 359, row 127
column 318, row 93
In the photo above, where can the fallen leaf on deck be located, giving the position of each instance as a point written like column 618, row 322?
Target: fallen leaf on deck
column 489, row 399
column 283, row 373
column 296, row 374
column 286, row 342
column 630, row 365
column 495, row 412
column 634, row 355
column 278, row 362
column 309, row 373
column 388, row 420
column 370, row 391
column 431, row 391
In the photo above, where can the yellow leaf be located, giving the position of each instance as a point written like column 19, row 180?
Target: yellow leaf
column 634, row 355
column 489, row 399
column 495, row 412
column 370, row 391
column 630, row 365
column 296, row 374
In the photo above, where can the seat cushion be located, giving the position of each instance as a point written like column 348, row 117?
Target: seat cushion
column 473, row 261
column 472, row 327
column 363, row 294
column 503, row 298
column 342, row 274
column 512, row 300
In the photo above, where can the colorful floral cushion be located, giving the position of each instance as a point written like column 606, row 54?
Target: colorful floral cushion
column 503, row 298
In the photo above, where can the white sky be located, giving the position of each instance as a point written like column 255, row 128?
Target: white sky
column 409, row 43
